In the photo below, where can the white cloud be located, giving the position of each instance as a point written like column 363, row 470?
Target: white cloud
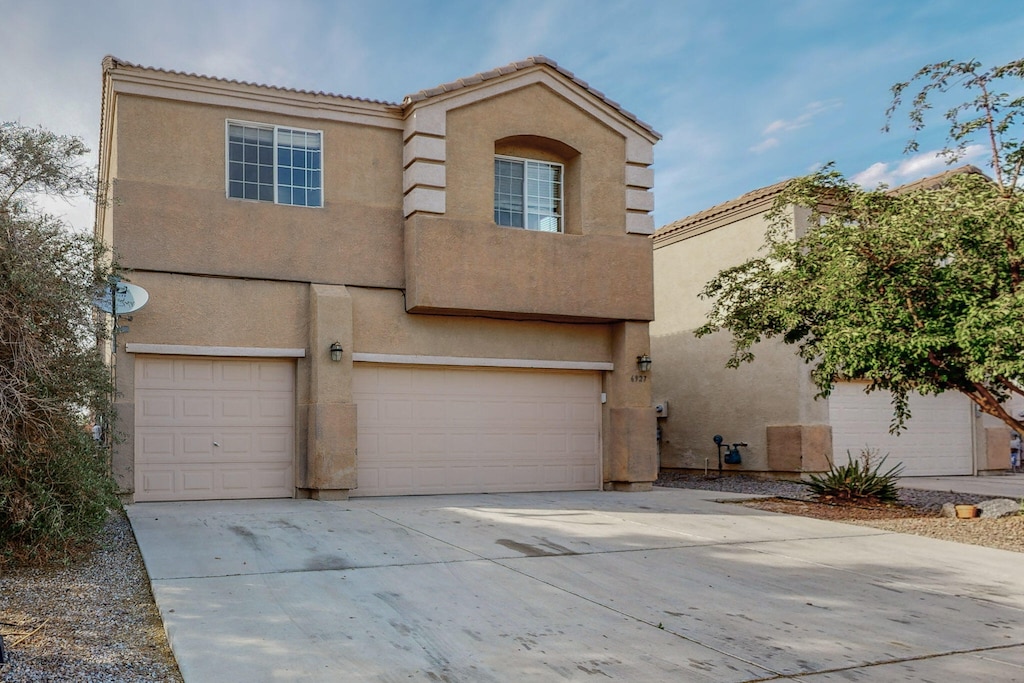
column 874, row 175
column 765, row 145
column 811, row 111
column 914, row 168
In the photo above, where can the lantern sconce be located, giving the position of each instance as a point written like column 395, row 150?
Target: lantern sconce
column 336, row 351
column 643, row 363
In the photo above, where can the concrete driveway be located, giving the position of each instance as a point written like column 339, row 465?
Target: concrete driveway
column 661, row 586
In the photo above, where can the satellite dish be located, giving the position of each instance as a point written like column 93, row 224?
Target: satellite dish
column 122, row 297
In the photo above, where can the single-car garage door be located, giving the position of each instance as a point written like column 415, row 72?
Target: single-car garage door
column 937, row 440
column 213, row 428
column 431, row 429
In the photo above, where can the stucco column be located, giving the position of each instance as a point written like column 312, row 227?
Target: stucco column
column 630, row 425
column 122, row 460
column 331, row 438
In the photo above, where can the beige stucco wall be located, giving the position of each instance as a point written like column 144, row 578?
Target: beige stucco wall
column 705, row 398
column 382, row 326
column 213, row 311
column 471, row 267
column 596, row 189
column 172, row 213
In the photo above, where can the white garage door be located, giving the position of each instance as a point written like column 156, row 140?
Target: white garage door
column 936, row 442
column 428, row 429
column 212, row 428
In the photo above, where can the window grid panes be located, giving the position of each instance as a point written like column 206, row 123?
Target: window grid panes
column 257, row 156
column 528, row 194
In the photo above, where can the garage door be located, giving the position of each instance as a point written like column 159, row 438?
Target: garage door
column 213, row 428
column 472, row 430
column 936, row 442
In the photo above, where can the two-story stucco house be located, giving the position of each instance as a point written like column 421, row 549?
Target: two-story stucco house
column 771, row 404
column 353, row 297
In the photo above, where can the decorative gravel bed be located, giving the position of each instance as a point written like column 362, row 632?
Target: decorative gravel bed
column 923, row 500
column 918, row 512
column 92, row 621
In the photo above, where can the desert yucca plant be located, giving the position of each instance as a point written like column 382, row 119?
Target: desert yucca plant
column 860, row 479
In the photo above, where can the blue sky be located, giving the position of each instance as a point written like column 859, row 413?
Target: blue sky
column 745, row 93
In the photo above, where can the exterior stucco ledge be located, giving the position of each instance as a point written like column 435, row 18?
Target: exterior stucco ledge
column 403, row 359
column 187, row 350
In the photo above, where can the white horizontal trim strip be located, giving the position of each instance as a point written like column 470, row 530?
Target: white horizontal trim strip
column 482, row 362
column 185, row 350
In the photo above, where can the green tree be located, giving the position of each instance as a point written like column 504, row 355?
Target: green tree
column 913, row 289
column 55, row 487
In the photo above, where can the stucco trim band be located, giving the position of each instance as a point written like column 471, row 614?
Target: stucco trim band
column 186, row 350
column 482, row 362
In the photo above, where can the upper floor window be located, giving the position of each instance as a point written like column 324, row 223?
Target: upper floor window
column 528, row 194
column 275, row 164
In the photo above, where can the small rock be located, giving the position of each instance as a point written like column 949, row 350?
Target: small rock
column 998, row 507
column 948, row 510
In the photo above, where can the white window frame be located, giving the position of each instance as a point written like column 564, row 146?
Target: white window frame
column 275, row 129
column 560, row 200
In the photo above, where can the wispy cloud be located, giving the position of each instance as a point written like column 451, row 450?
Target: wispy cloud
column 911, row 169
column 773, row 130
column 765, row 145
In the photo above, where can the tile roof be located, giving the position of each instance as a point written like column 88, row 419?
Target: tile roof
column 110, row 62
column 693, row 222
column 938, row 179
column 529, row 62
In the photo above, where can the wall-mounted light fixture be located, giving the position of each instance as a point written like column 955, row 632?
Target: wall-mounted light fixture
column 643, row 363
column 336, row 351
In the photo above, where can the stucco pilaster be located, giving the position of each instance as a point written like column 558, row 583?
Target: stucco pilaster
column 630, row 447
column 330, row 415
column 997, row 449
column 122, row 460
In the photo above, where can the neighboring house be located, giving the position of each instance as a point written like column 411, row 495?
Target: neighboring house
column 348, row 296
column 770, row 404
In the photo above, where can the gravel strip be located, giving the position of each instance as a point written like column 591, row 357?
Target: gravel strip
column 1006, row 533
column 93, row 621
column 931, row 501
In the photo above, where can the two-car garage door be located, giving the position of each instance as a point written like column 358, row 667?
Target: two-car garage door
column 437, row 429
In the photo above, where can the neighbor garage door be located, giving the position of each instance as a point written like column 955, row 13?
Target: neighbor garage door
column 936, row 442
column 212, row 428
column 429, row 429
